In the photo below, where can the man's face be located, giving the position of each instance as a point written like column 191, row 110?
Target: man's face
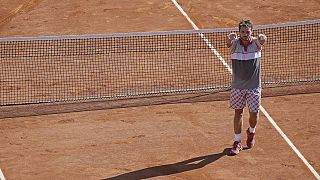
column 245, row 33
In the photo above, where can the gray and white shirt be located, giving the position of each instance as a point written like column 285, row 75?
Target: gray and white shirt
column 246, row 64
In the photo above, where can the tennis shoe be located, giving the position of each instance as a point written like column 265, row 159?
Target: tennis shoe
column 236, row 148
column 250, row 139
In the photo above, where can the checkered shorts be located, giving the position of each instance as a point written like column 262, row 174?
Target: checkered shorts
column 239, row 98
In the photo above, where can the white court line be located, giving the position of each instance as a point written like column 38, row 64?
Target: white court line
column 266, row 114
column 314, row 172
column 2, row 176
column 214, row 50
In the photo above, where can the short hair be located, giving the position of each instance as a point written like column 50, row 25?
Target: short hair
column 245, row 23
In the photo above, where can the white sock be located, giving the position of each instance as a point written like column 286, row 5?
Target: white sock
column 252, row 130
column 237, row 137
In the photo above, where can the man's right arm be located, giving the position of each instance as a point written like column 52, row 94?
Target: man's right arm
column 230, row 39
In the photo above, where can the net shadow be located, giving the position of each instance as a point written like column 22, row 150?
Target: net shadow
column 15, row 111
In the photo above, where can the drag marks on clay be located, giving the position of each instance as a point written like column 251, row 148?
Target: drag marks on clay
column 128, row 121
column 139, row 136
column 64, row 121
column 26, row 6
column 164, row 112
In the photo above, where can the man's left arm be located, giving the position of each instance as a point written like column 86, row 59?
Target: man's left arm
column 262, row 38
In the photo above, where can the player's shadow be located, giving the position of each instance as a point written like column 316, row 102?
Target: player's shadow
column 168, row 169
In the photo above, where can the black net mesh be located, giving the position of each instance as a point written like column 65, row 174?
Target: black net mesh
column 54, row 69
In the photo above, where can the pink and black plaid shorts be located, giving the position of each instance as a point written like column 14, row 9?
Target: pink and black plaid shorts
column 239, row 98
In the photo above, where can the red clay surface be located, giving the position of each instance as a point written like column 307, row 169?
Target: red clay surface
column 176, row 141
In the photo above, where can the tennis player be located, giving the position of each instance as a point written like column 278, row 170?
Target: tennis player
column 246, row 82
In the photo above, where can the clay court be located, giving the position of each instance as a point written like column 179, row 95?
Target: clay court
column 165, row 137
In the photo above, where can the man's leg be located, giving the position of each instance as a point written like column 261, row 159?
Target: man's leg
column 254, row 101
column 238, row 113
column 237, row 102
column 251, row 131
column 253, row 120
column 237, row 147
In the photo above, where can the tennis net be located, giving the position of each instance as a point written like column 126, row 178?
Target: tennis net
column 71, row 68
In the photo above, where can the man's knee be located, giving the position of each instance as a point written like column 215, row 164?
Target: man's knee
column 254, row 115
column 238, row 113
